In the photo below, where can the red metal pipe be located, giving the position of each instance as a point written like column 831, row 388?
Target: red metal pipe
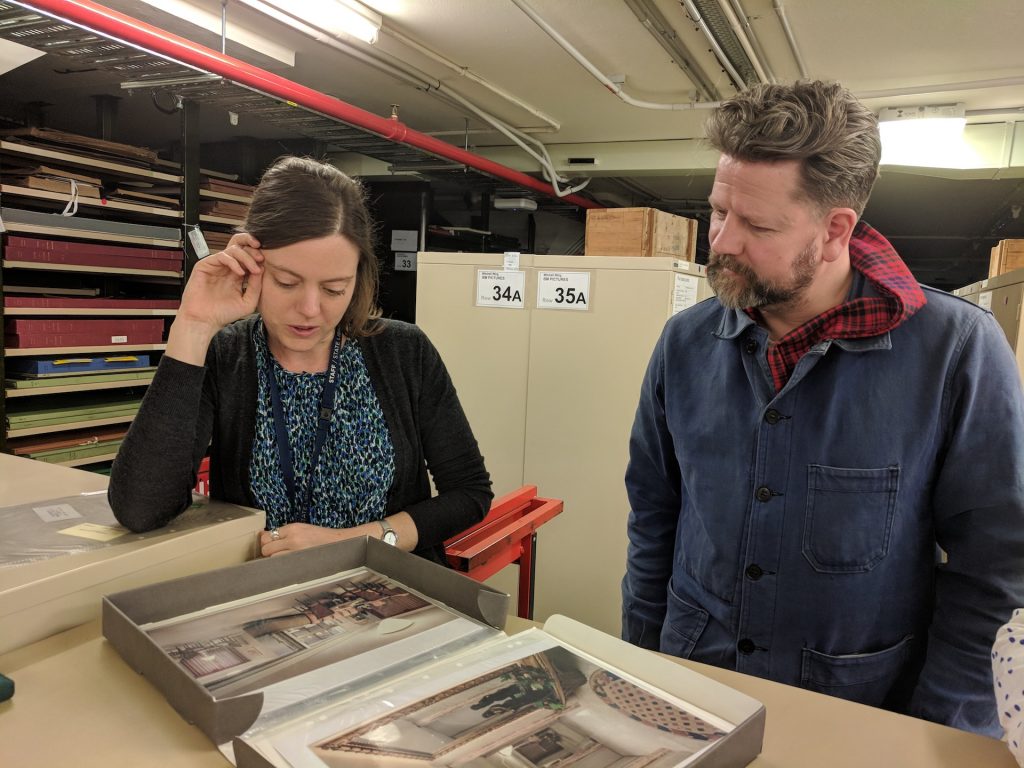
column 110, row 23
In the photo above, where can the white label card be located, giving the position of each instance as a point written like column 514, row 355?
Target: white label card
column 55, row 512
column 684, row 293
column 118, row 339
column 497, row 288
column 405, row 262
column 94, row 531
column 405, row 240
column 985, row 300
column 198, row 242
column 511, row 261
column 563, row 290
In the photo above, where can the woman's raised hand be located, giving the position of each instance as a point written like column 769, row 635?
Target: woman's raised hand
column 222, row 288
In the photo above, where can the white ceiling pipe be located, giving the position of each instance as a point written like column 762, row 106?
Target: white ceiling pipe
column 755, row 43
column 741, row 35
column 780, row 11
column 615, row 88
column 402, row 70
column 467, row 73
column 715, row 47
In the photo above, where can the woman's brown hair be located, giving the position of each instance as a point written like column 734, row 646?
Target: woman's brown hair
column 299, row 199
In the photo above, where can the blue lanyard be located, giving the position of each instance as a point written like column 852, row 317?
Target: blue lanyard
column 323, row 425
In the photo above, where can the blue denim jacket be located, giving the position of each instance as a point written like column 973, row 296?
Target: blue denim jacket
column 796, row 536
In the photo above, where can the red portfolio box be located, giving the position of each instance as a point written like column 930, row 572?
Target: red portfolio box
column 26, row 326
column 12, row 302
column 91, row 260
column 68, row 246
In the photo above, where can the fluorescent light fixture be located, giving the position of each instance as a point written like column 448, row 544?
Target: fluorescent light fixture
column 931, row 136
column 337, row 18
column 211, row 22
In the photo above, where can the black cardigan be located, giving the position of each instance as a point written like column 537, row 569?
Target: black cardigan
column 188, row 407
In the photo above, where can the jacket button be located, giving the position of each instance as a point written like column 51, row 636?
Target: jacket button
column 746, row 646
column 750, row 347
column 772, row 416
column 754, row 572
column 764, row 493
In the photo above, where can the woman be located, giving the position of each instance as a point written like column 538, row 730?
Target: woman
column 319, row 412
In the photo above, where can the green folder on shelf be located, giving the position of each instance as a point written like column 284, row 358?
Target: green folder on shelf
column 54, row 415
column 80, row 379
column 58, row 455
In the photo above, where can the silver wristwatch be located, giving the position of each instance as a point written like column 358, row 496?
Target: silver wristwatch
column 388, row 534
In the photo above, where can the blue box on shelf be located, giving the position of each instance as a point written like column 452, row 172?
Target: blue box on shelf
column 51, row 366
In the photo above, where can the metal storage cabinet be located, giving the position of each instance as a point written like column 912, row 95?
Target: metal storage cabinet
column 558, row 389
column 1004, row 296
column 486, row 351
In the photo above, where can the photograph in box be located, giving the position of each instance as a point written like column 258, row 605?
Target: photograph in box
column 240, row 648
column 472, row 611
column 528, row 700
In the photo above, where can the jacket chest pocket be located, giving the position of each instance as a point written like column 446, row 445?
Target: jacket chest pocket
column 849, row 517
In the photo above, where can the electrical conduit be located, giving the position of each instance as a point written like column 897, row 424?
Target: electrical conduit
column 111, row 23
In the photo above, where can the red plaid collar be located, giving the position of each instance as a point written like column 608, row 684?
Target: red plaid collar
column 900, row 296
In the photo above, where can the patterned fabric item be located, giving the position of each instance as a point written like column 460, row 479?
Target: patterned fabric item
column 646, row 708
column 874, row 257
column 1007, row 659
column 352, row 478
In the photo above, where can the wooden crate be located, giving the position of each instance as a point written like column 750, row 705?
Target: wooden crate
column 639, row 232
column 1007, row 256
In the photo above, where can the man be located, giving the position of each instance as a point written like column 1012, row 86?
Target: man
column 806, row 444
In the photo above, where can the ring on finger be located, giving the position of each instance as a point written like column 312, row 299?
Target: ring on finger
column 275, row 534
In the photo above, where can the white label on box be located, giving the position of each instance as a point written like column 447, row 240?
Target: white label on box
column 684, row 293
column 495, row 288
column 118, row 339
column 511, row 261
column 55, row 512
column 405, row 262
column 405, row 240
column 94, row 531
column 985, row 299
column 563, row 290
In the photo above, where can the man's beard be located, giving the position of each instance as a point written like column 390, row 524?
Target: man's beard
column 744, row 289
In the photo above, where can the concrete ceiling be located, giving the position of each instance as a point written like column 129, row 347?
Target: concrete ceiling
column 943, row 222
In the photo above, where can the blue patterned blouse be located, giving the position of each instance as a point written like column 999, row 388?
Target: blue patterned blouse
column 352, row 478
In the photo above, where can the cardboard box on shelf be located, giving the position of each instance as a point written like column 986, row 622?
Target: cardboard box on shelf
column 639, row 232
column 1007, row 255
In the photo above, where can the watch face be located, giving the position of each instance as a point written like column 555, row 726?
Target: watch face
column 390, row 537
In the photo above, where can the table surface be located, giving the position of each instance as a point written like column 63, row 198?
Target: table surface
column 77, row 703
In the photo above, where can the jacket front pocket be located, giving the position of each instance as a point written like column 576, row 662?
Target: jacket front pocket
column 866, row 678
column 849, row 516
column 683, row 626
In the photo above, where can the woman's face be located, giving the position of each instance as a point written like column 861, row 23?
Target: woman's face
column 306, row 289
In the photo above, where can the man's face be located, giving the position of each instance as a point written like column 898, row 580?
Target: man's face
column 765, row 242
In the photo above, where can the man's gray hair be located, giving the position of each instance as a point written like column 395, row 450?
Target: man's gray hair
column 822, row 125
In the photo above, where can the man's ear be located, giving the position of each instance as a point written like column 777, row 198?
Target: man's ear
column 839, row 224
